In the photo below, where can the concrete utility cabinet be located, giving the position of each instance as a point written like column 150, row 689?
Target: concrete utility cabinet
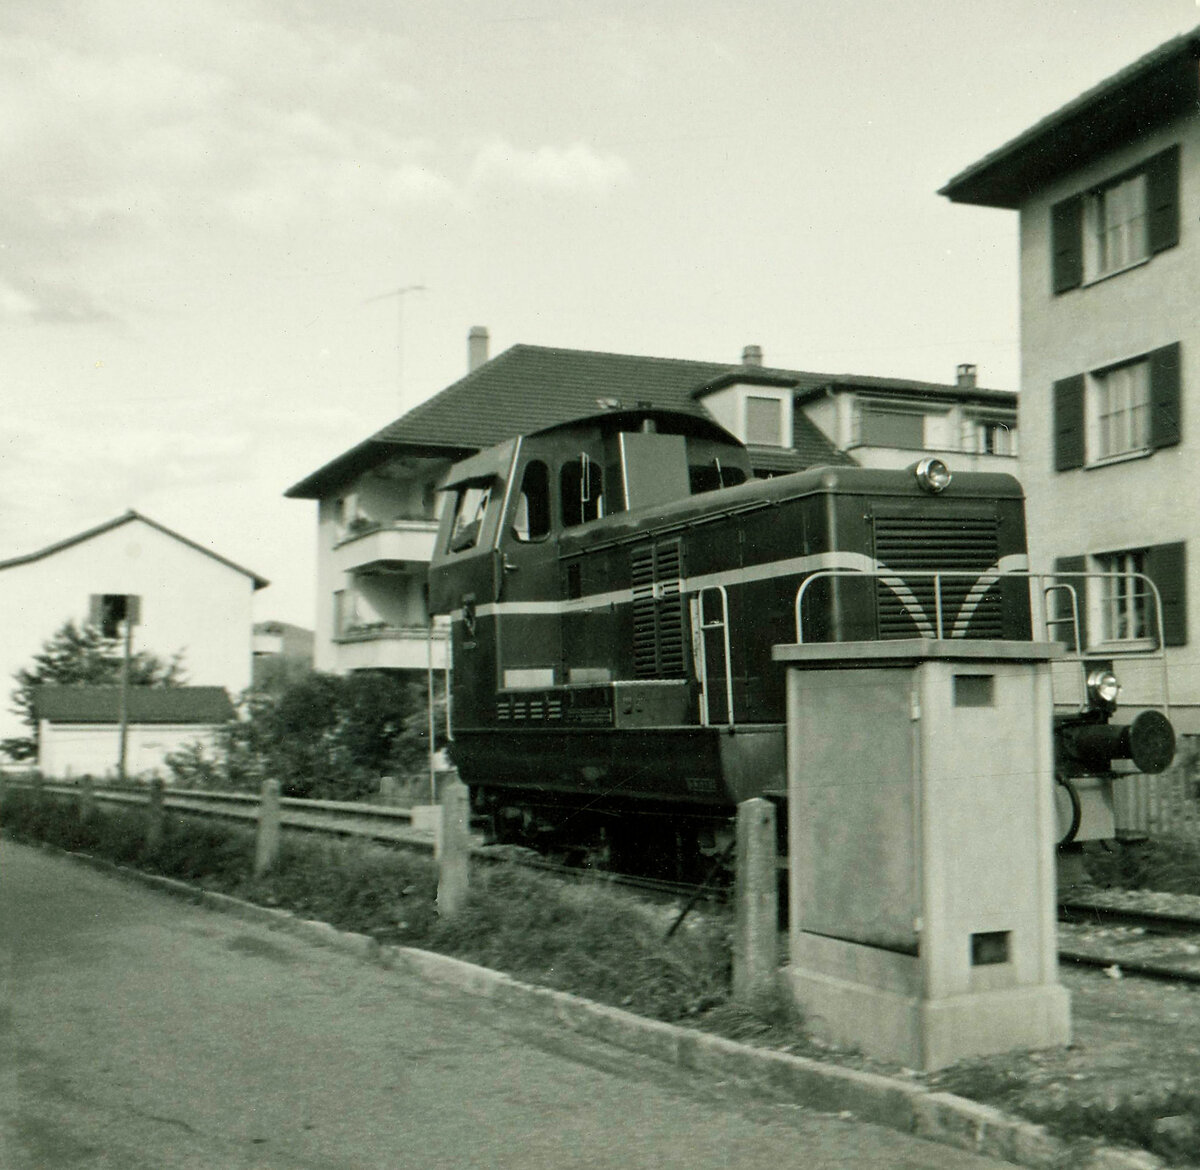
column 922, row 832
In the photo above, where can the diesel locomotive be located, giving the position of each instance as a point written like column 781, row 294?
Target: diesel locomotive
column 615, row 587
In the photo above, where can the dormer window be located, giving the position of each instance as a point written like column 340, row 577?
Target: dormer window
column 884, row 426
column 764, row 421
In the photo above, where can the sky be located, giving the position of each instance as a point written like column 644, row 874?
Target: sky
column 207, row 209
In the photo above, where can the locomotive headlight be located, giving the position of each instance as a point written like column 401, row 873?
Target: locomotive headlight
column 933, row 475
column 1103, row 689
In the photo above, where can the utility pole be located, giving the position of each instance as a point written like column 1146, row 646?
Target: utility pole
column 399, row 294
column 115, row 615
column 123, row 749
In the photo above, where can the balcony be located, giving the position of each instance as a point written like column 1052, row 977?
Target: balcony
column 379, row 646
column 384, row 548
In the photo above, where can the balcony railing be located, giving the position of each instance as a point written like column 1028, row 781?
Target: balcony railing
column 380, row 645
column 399, row 542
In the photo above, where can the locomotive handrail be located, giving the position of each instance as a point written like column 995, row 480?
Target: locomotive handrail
column 896, row 580
column 702, row 625
column 1060, row 581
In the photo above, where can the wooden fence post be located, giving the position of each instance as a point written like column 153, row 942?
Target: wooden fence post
column 756, row 897
column 266, row 850
column 155, row 815
column 87, row 799
column 454, row 848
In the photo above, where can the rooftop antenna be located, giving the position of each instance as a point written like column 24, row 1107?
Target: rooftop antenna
column 399, row 294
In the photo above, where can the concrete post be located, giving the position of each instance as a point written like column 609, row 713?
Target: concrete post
column 454, row 848
column 87, row 799
column 155, row 815
column 266, row 848
column 756, row 898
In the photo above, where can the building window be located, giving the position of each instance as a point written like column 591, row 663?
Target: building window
column 1118, row 410
column 1121, row 407
column 1119, row 607
column 764, row 422
column 985, row 436
column 1115, row 233
column 1125, row 599
column 882, row 426
column 345, row 612
column 1122, row 222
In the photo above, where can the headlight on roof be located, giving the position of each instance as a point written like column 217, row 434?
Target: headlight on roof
column 1103, row 688
column 933, row 475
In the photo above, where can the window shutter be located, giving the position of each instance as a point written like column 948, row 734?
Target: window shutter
column 1165, row 399
column 1066, row 243
column 1162, row 200
column 1166, row 566
column 1062, row 607
column 1068, row 423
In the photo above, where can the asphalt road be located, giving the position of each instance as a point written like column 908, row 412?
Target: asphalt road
column 141, row 1033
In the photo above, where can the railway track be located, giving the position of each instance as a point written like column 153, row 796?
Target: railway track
column 1132, row 932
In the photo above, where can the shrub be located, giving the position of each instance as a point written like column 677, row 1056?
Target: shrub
column 323, row 736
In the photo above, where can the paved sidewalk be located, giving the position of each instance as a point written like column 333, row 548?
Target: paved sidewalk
column 148, row 1034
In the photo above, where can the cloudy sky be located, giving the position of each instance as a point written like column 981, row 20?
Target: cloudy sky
column 202, row 200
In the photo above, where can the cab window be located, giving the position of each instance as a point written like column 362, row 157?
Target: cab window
column 531, row 520
column 581, row 487
column 469, row 510
column 708, row 477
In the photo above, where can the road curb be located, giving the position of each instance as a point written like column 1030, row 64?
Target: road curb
column 887, row 1101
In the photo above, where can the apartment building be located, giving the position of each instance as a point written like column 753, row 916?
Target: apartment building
column 1107, row 189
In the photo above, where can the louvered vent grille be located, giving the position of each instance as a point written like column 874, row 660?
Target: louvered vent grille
column 938, row 544
column 658, row 633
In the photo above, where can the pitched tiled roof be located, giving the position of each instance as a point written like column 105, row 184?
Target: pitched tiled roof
column 904, row 387
column 82, row 704
column 1153, row 89
column 126, row 518
column 530, row 387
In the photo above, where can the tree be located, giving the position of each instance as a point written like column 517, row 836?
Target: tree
column 81, row 655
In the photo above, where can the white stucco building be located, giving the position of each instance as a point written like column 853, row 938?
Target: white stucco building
column 192, row 600
column 79, row 728
column 1108, row 193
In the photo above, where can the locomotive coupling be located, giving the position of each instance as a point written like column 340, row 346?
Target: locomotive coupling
column 1149, row 741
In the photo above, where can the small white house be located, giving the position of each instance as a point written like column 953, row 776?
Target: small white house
column 191, row 600
column 79, row 727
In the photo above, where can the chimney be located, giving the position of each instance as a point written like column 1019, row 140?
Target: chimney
column 966, row 375
column 477, row 347
column 752, row 355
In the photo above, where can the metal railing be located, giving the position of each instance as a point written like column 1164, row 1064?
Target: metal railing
column 341, row 818
column 1045, row 585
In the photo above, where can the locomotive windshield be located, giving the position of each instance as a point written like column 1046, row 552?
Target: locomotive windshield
column 470, row 507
